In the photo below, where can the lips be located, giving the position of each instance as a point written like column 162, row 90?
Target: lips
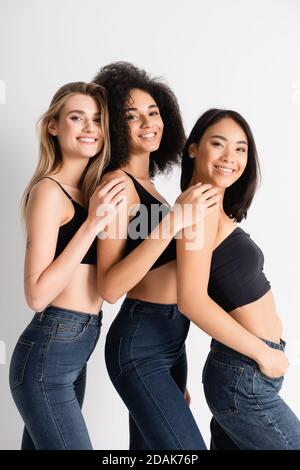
column 224, row 170
column 87, row 140
column 148, row 135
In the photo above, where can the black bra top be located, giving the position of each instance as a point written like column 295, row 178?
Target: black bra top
column 151, row 213
column 67, row 231
column 236, row 275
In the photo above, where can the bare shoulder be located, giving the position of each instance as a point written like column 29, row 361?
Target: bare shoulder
column 109, row 176
column 45, row 195
column 206, row 228
column 114, row 174
column 130, row 190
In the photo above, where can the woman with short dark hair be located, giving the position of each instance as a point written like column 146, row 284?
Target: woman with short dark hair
column 231, row 297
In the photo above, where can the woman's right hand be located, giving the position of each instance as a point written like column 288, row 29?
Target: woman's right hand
column 195, row 203
column 106, row 201
column 273, row 363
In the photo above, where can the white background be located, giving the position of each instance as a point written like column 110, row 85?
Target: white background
column 242, row 55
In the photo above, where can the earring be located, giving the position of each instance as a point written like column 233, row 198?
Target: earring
column 191, row 155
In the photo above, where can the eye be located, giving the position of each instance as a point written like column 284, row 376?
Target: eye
column 131, row 117
column 76, row 118
column 217, row 144
column 154, row 113
column 98, row 120
column 241, row 149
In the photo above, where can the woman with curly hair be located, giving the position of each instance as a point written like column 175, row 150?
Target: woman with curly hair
column 145, row 346
column 61, row 210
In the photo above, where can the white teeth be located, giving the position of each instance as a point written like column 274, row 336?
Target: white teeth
column 224, row 170
column 86, row 139
column 148, row 136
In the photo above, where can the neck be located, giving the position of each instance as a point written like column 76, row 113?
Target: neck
column 138, row 165
column 71, row 171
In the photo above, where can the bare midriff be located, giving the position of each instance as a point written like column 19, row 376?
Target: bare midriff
column 260, row 318
column 158, row 286
column 81, row 293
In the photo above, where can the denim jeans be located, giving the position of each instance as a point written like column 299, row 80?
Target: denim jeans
column 146, row 361
column 248, row 412
column 47, row 378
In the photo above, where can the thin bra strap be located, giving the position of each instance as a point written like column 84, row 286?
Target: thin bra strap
column 130, row 176
column 136, row 182
column 139, row 187
column 68, row 195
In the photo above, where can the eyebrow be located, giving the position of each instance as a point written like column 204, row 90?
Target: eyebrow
column 136, row 109
column 224, row 138
column 79, row 111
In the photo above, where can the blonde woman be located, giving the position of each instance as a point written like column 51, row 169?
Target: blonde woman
column 60, row 207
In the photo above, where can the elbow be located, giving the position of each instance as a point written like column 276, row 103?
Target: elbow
column 109, row 298
column 183, row 302
column 188, row 303
column 34, row 301
column 107, row 294
column 35, row 304
column 182, row 307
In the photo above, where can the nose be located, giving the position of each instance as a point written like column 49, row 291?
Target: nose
column 88, row 125
column 228, row 157
column 145, row 121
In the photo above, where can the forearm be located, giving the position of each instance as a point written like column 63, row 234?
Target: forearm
column 57, row 276
column 124, row 275
column 218, row 324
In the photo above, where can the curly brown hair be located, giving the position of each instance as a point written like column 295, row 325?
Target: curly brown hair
column 119, row 78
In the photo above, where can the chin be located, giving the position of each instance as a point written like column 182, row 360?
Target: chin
column 220, row 183
column 150, row 149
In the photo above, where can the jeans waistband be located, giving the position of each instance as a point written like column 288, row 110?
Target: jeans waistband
column 149, row 306
column 217, row 346
column 73, row 315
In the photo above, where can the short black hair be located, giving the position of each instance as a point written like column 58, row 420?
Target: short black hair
column 119, row 78
column 238, row 196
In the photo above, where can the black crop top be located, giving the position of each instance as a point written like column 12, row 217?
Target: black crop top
column 236, row 275
column 151, row 213
column 67, row 231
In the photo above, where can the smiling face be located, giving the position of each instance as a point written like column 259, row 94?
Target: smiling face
column 144, row 122
column 220, row 157
column 78, row 127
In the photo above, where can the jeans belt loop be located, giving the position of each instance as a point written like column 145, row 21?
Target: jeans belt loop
column 42, row 314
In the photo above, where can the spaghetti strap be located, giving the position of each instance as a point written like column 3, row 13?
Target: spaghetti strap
column 139, row 187
column 49, row 177
column 136, row 182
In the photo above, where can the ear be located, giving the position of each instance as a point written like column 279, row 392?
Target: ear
column 192, row 150
column 52, row 127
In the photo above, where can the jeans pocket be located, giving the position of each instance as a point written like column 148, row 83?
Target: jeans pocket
column 220, row 382
column 113, row 346
column 67, row 330
column 18, row 362
column 264, row 385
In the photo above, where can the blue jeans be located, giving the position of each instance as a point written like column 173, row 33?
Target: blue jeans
column 47, row 378
column 248, row 412
column 146, row 361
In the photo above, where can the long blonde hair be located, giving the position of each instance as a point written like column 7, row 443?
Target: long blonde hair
column 50, row 156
